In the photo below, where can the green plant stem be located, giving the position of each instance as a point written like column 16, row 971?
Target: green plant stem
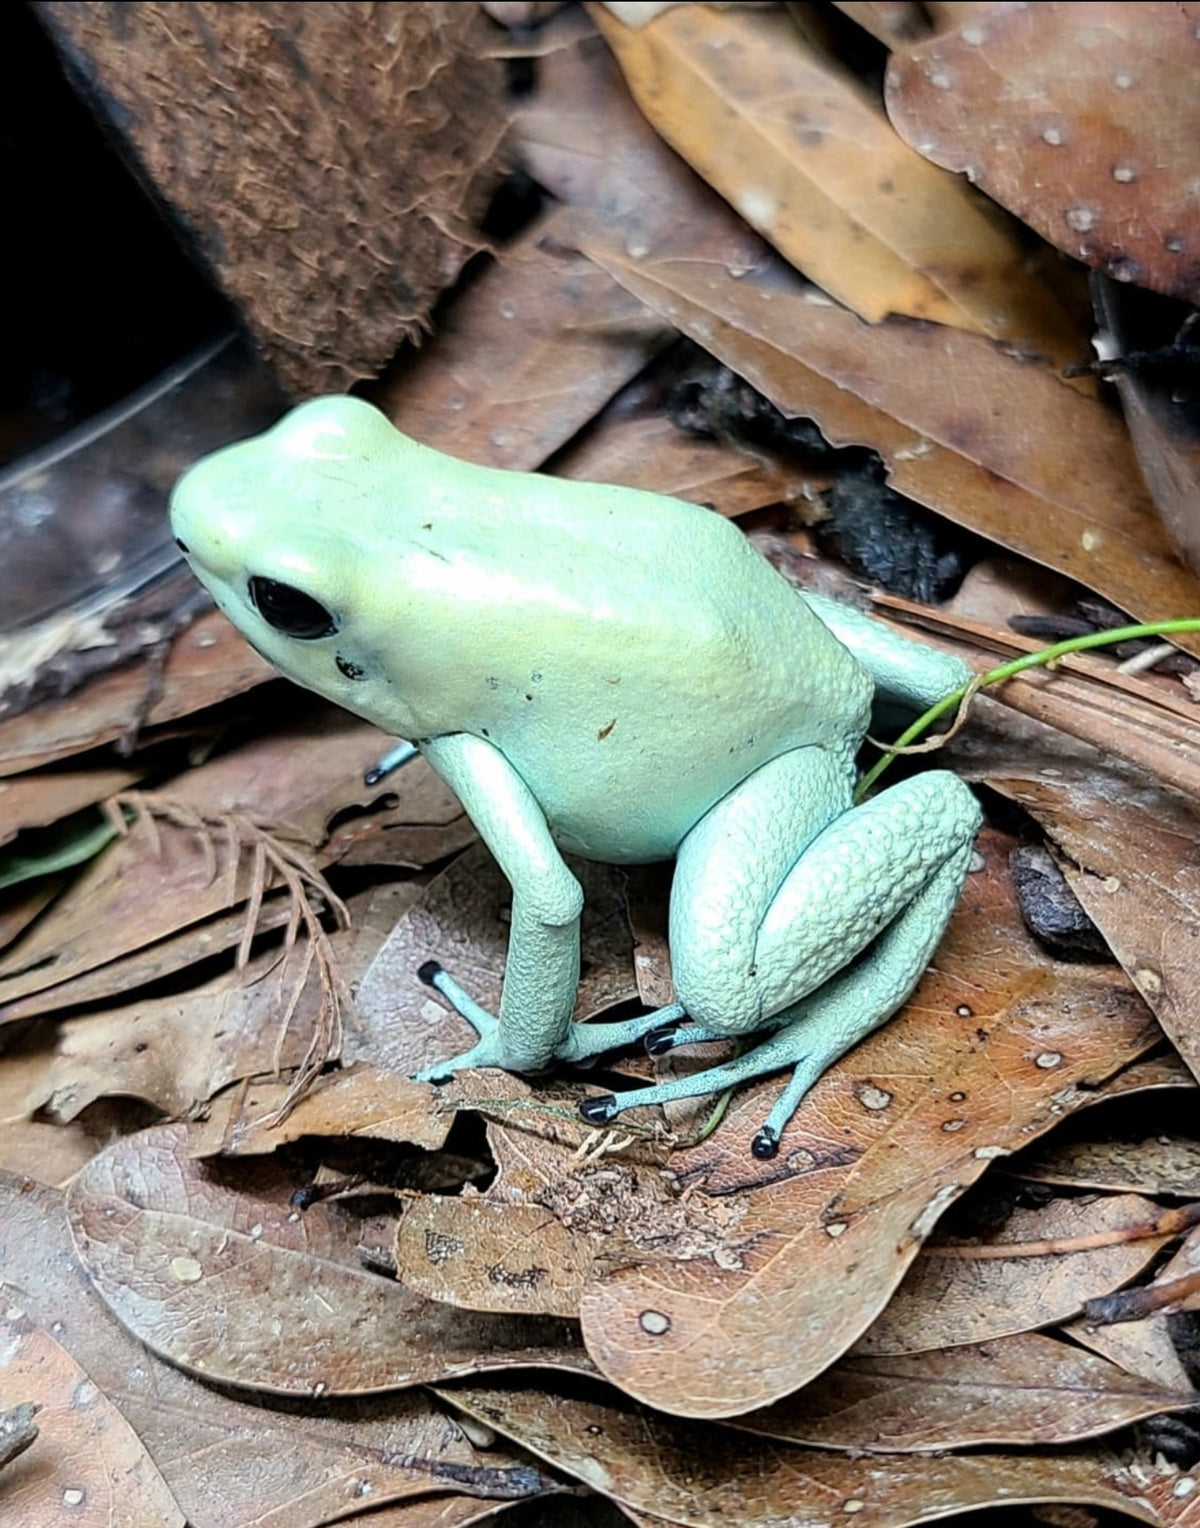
column 1005, row 671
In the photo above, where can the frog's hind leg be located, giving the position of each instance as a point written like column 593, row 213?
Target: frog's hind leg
column 822, row 953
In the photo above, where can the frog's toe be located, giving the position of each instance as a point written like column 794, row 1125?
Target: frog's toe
column 788, row 1047
column 600, row 1109
column 583, row 1041
column 481, row 1021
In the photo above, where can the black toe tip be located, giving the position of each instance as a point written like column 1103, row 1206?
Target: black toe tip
column 598, row 1110
column 428, row 971
column 373, row 776
column 765, row 1144
column 660, row 1041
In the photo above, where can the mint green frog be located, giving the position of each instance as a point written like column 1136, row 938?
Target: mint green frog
column 618, row 675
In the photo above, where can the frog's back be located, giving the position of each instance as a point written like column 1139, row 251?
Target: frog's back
column 632, row 655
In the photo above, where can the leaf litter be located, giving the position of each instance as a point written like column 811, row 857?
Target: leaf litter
column 876, row 1287
column 293, row 1468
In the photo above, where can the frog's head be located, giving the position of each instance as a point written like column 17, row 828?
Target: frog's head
column 279, row 529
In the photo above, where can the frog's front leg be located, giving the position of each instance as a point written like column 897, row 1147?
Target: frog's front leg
column 794, row 913
column 541, row 973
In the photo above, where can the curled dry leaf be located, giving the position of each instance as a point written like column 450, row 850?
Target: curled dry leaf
column 993, row 442
column 294, row 1469
column 811, row 161
column 230, row 1282
column 714, row 1477
column 1019, row 1390
column 1080, row 118
column 960, row 1292
column 88, row 1467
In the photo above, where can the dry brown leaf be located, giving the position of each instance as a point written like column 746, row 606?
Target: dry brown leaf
column 113, row 981
column 1154, row 1073
column 998, row 588
column 713, row 1477
column 1162, row 1164
column 541, row 340
column 48, row 1153
column 993, row 442
column 950, row 1296
column 1079, row 118
column 1019, row 1390
column 87, row 1465
column 657, row 455
column 568, row 1203
column 891, row 22
column 490, row 1255
column 360, row 1103
column 33, row 800
column 527, row 355
column 176, row 1052
column 810, row 160
column 227, row 1280
column 207, row 663
column 1143, row 1348
column 462, row 922
column 1162, row 420
column 140, row 891
column 21, row 905
column 293, row 1470
column 1129, row 844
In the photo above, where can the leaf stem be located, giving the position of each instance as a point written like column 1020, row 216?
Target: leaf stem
column 1040, row 659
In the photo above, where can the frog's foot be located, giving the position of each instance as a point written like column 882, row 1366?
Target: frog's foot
column 787, row 1048
column 584, row 1041
column 821, row 1027
column 488, row 1051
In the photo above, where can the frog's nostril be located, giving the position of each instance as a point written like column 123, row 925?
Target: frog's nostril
column 183, row 546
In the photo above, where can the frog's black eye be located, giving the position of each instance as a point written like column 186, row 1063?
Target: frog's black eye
column 291, row 611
